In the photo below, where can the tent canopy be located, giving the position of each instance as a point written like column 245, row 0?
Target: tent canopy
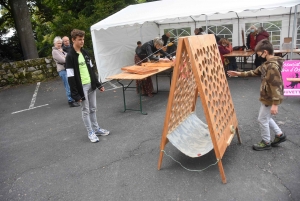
column 114, row 38
column 170, row 11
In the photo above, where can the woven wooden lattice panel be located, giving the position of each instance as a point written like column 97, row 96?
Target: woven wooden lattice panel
column 199, row 69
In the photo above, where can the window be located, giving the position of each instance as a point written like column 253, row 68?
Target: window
column 224, row 31
column 272, row 27
column 176, row 33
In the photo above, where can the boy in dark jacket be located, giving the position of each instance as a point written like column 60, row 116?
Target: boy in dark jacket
column 271, row 94
column 83, row 83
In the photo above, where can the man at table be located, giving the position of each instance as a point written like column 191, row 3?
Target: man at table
column 147, row 51
column 165, row 38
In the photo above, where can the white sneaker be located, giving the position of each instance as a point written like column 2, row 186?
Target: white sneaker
column 101, row 131
column 93, row 137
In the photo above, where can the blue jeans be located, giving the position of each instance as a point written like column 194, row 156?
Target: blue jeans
column 232, row 63
column 63, row 75
column 88, row 108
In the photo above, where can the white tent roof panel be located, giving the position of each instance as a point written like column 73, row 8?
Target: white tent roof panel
column 171, row 11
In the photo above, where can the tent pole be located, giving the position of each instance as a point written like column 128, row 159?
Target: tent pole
column 294, row 30
column 194, row 21
column 290, row 22
column 238, row 29
column 206, row 23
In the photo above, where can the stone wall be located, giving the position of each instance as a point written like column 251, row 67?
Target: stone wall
column 28, row 71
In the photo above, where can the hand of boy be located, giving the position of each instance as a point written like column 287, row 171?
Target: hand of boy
column 233, row 73
column 274, row 109
column 102, row 89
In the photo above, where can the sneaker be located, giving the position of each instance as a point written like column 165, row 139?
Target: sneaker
column 262, row 146
column 101, row 131
column 278, row 139
column 74, row 104
column 93, row 137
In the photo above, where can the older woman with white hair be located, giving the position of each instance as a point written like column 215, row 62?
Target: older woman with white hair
column 59, row 57
column 251, row 38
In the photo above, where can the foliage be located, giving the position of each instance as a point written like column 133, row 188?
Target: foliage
column 52, row 18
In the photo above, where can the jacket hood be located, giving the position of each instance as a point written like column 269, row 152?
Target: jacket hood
column 277, row 60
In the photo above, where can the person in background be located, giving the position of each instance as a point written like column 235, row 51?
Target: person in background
column 251, row 38
column 165, row 38
column 148, row 50
column 66, row 44
column 261, row 35
column 83, row 84
column 201, row 31
column 197, row 31
column 138, row 47
column 225, row 47
column 271, row 94
column 59, row 57
column 216, row 37
column 172, row 47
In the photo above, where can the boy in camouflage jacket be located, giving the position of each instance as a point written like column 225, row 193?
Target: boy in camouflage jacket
column 271, row 94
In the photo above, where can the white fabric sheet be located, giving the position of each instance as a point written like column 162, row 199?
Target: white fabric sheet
column 191, row 137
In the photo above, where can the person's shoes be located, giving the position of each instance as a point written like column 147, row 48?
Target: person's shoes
column 101, row 131
column 278, row 139
column 74, row 104
column 93, row 137
column 262, row 146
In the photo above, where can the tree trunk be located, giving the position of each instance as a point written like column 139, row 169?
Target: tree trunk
column 22, row 19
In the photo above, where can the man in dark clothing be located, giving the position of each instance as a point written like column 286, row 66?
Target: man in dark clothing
column 171, row 47
column 66, row 44
column 149, row 48
column 165, row 38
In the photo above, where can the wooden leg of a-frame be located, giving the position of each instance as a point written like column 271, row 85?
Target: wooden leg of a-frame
column 222, row 173
column 164, row 141
column 238, row 135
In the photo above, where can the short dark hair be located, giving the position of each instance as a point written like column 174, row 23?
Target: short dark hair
column 172, row 39
column 201, row 30
column 139, row 43
column 77, row 32
column 264, row 44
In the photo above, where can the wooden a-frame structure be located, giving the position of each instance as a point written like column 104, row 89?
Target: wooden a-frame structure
column 199, row 69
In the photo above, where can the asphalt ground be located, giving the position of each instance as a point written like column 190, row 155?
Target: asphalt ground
column 45, row 153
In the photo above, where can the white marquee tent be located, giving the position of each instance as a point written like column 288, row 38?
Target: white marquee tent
column 114, row 38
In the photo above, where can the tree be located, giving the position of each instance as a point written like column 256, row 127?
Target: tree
column 42, row 20
column 22, row 19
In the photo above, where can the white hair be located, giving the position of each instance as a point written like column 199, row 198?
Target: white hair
column 158, row 41
column 57, row 39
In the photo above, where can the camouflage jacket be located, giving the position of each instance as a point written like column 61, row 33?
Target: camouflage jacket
column 271, row 88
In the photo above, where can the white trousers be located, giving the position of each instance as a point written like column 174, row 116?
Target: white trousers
column 266, row 122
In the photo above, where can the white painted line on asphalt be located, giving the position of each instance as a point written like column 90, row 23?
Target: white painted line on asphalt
column 34, row 96
column 113, row 88
column 111, row 84
column 31, row 106
column 29, row 109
